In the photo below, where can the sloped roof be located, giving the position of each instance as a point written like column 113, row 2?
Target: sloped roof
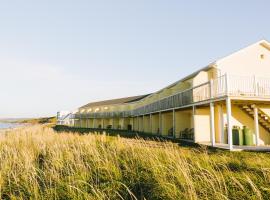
column 115, row 101
column 263, row 42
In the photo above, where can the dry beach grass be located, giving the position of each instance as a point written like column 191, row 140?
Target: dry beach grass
column 38, row 163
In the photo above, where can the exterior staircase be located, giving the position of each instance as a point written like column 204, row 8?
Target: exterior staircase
column 264, row 119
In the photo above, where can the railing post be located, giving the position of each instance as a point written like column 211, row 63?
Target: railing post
column 227, row 84
column 255, row 85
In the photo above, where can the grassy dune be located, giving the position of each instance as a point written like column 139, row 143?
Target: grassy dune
column 38, row 163
column 43, row 120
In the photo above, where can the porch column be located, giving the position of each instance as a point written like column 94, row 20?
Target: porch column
column 160, row 123
column 138, row 124
column 133, row 124
column 193, row 118
column 212, row 123
column 80, row 120
column 256, row 125
column 143, row 123
column 229, row 122
column 173, row 123
column 150, row 123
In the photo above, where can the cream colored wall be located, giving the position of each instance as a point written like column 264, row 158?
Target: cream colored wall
column 220, row 117
column 83, row 123
column 146, row 124
column 155, row 123
column 116, row 123
column 167, row 122
column 202, row 124
column 200, row 78
column 124, row 122
column 106, row 122
column 77, row 123
column 91, row 123
column 135, row 124
column 98, row 122
column 140, row 124
column 183, row 120
column 247, row 62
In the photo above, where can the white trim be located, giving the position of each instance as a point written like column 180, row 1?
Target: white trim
column 229, row 122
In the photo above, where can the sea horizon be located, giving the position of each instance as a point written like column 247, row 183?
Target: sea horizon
column 7, row 125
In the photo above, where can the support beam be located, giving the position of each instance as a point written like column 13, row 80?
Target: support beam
column 256, row 125
column 133, row 124
column 193, row 118
column 160, row 123
column 150, row 123
column 229, row 122
column 80, row 120
column 173, row 123
column 212, row 123
column 138, row 124
column 143, row 124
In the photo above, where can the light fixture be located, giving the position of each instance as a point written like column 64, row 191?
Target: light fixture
column 82, row 110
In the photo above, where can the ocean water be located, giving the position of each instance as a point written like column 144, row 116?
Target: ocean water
column 8, row 125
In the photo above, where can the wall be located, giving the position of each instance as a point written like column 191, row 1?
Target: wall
column 167, row 122
column 115, row 123
column 247, row 62
column 155, row 123
column 146, row 124
column 136, row 124
column 183, row 120
column 202, row 124
column 140, row 124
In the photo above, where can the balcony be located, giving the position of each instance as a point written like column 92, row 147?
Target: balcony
column 226, row 85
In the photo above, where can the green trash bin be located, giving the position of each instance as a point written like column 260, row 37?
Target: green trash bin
column 248, row 136
column 237, row 135
column 225, row 135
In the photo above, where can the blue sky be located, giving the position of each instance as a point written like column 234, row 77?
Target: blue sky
column 60, row 54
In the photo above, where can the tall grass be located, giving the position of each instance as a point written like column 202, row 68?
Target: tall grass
column 38, row 163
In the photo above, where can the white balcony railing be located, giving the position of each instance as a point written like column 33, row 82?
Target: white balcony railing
column 225, row 85
column 248, row 86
